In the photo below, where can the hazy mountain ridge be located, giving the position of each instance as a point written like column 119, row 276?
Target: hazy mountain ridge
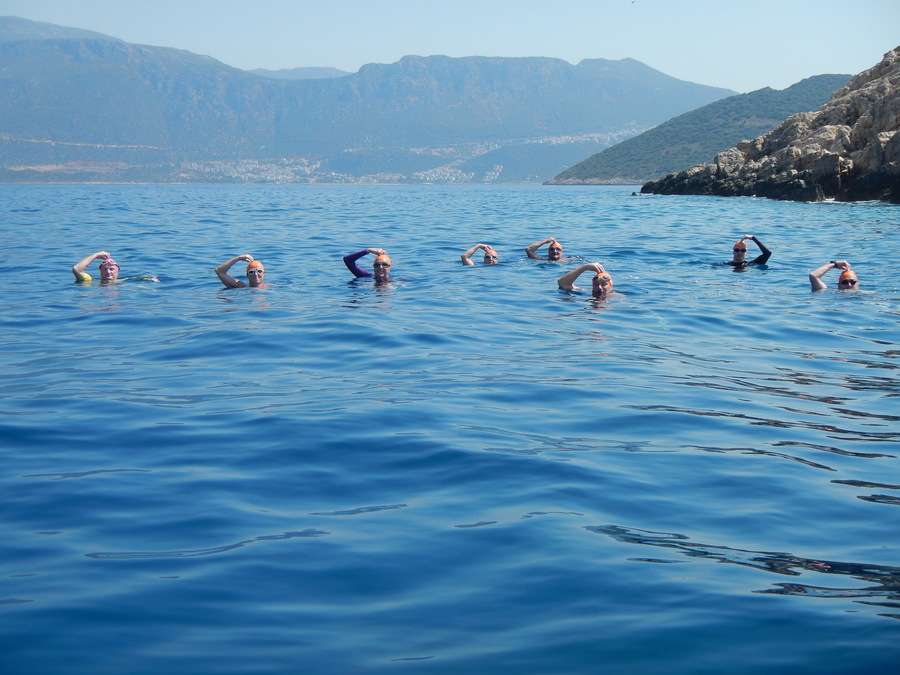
column 65, row 99
column 14, row 29
column 699, row 134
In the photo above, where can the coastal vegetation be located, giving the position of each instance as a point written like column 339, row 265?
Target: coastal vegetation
column 847, row 150
column 697, row 135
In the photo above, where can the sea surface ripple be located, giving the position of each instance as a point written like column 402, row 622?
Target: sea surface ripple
column 467, row 471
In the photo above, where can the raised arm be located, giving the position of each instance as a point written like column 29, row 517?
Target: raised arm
column 351, row 258
column 766, row 253
column 227, row 279
column 78, row 269
column 531, row 249
column 467, row 256
column 567, row 281
column 815, row 277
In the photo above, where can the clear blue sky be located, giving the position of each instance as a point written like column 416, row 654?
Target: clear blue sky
column 739, row 45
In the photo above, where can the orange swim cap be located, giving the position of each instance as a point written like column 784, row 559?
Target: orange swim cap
column 256, row 264
column 847, row 274
column 739, row 245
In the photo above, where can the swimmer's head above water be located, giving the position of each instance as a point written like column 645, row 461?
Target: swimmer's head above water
column 601, row 285
column 848, row 280
column 109, row 269
column 739, row 251
column 381, row 267
column 256, row 273
column 490, row 255
column 555, row 250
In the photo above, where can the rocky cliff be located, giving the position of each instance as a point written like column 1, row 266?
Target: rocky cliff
column 848, row 149
column 699, row 134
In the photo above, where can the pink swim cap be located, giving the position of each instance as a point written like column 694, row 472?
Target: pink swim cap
column 109, row 262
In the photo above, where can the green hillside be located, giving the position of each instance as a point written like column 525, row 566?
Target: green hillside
column 696, row 136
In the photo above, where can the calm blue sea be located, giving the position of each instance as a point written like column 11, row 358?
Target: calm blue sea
column 468, row 471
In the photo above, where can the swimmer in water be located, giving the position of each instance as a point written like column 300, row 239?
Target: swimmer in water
column 490, row 255
column 739, row 253
column 847, row 281
column 554, row 251
column 109, row 268
column 381, row 266
column 601, row 284
column 256, row 272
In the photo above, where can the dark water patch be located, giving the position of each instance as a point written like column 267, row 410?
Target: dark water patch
column 884, row 580
column 842, row 433
column 413, row 658
column 834, row 450
column 82, row 474
column 360, row 510
column 766, row 453
column 863, row 483
column 881, row 499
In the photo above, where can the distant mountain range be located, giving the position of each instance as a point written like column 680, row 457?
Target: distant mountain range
column 698, row 135
column 79, row 105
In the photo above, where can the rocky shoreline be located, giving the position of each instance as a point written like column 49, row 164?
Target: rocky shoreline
column 847, row 150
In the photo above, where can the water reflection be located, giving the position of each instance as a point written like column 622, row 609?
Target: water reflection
column 201, row 552
column 849, row 434
column 883, row 581
column 756, row 451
